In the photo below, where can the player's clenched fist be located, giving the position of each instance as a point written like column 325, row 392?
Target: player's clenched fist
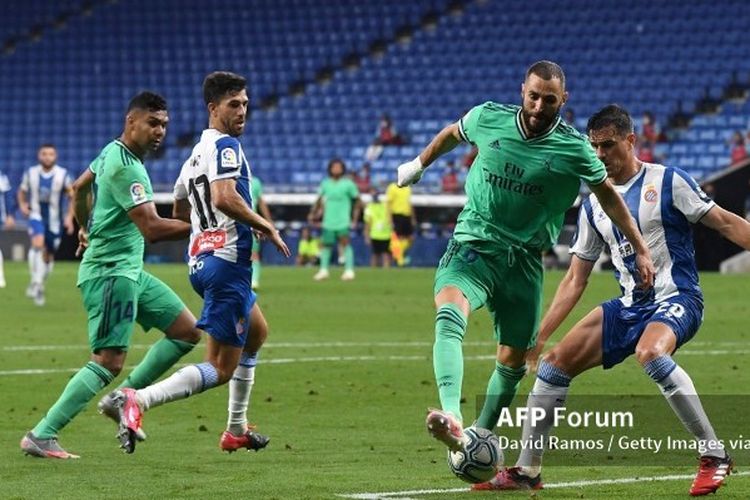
column 410, row 172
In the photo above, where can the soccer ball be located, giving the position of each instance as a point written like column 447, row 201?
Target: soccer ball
column 480, row 459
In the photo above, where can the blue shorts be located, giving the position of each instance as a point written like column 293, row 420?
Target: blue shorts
column 623, row 326
column 227, row 298
column 51, row 240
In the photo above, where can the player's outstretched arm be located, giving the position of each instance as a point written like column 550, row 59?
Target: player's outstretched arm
column 568, row 294
column 446, row 140
column 614, row 206
column 225, row 197
column 729, row 225
column 155, row 228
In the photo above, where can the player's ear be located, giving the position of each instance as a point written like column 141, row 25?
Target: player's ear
column 211, row 107
column 564, row 96
column 631, row 137
column 523, row 90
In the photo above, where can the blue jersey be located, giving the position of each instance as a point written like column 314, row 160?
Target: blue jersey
column 45, row 191
column 217, row 156
column 6, row 200
column 664, row 201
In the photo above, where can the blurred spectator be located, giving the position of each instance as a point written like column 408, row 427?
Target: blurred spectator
column 308, row 250
column 362, row 178
column 449, row 182
column 738, row 152
column 649, row 129
column 378, row 229
column 385, row 135
column 468, row 158
column 646, row 152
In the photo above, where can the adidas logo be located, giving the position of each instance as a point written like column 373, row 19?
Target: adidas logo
column 495, row 145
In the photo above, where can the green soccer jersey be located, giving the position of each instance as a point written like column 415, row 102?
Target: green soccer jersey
column 519, row 188
column 115, row 243
column 338, row 196
column 256, row 191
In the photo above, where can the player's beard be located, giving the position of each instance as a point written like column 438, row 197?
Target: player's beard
column 543, row 121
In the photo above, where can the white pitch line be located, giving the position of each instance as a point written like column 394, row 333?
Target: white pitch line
column 343, row 359
column 548, row 486
column 279, row 345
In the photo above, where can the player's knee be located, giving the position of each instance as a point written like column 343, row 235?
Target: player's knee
column 646, row 353
column 558, row 360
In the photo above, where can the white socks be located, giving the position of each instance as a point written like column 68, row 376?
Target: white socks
column 180, row 385
column 240, row 388
column 678, row 389
column 549, row 392
column 37, row 266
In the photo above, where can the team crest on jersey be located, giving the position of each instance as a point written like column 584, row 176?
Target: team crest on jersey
column 650, row 194
column 228, row 158
column 137, row 192
column 240, row 326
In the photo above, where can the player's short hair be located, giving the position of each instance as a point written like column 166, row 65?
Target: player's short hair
column 333, row 161
column 611, row 114
column 547, row 70
column 47, row 145
column 147, row 101
column 220, row 83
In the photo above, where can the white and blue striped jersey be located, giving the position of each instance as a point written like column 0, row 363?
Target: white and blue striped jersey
column 6, row 204
column 663, row 201
column 216, row 156
column 45, row 192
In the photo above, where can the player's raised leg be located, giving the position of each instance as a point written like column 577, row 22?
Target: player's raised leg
column 240, row 434
column 446, row 424
column 654, row 349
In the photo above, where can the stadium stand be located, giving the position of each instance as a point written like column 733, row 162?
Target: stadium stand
column 436, row 59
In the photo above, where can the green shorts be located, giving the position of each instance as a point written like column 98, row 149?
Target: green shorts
column 115, row 303
column 330, row 237
column 509, row 283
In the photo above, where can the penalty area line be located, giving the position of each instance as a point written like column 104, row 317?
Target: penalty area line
column 402, row 495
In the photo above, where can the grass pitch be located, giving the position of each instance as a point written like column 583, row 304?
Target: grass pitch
column 342, row 389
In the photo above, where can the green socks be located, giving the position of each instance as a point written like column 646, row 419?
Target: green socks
column 159, row 358
column 80, row 390
column 447, row 356
column 501, row 390
column 348, row 258
column 325, row 257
